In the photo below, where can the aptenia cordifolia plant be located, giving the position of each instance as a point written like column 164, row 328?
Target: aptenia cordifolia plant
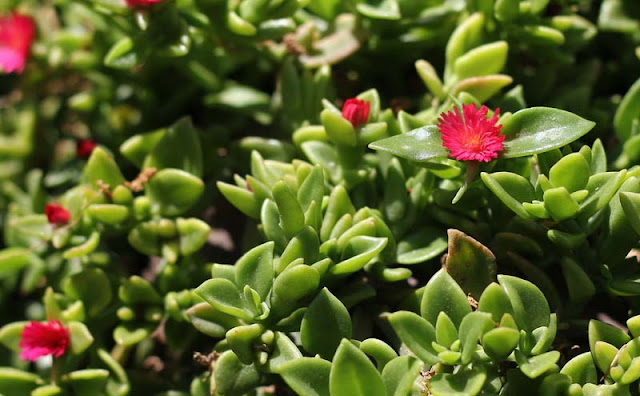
column 320, row 197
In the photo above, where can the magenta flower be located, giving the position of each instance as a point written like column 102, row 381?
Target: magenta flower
column 470, row 136
column 84, row 148
column 16, row 35
column 56, row 214
column 141, row 3
column 356, row 111
column 42, row 339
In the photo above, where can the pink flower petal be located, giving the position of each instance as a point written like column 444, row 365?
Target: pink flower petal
column 470, row 136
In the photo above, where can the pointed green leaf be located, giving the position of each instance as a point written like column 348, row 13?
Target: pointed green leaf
column 324, row 324
column 442, row 293
column 420, row 145
column 541, row 129
column 353, row 374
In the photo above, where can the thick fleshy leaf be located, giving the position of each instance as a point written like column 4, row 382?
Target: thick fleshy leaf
column 144, row 239
column 291, row 214
column 293, row 284
column 442, row 293
column 307, row 376
column 420, row 145
column 234, row 377
column 332, row 48
column 416, row 333
column 430, row 78
column 530, row 307
column 173, row 191
column 580, row 286
column 255, row 268
column 123, row 54
column 128, row 335
column 399, row 375
column 512, row 189
column 80, row 337
column 446, row 331
column 463, row 383
column 283, row 350
column 102, row 167
column 223, row 295
column 358, row 252
column 242, row 340
column 581, row 369
column 11, row 334
column 179, row 148
column 210, row 321
column 92, row 287
column 241, row 198
column 466, row 36
column 13, row 260
column 385, row 9
column 325, row 323
column 500, row 342
column 483, row 60
column 470, row 263
column 482, row 88
column 421, row 245
column 628, row 111
column 16, row 382
column 353, row 374
column 571, row 172
column 193, row 235
column 535, row 366
column 109, row 213
column 471, row 330
column 540, row 129
column 136, row 148
column 600, row 331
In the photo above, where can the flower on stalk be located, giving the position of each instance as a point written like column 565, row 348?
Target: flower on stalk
column 16, row 35
column 84, row 147
column 470, row 136
column 42, row 339
column 141, row 3
column 356, row 111
column 57, row 214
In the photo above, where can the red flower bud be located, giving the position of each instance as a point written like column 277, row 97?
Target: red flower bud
column 41, row 339
column 84, row 147
column 56, row 214
column 16, row 35
column 141, row 3
column 356, row 111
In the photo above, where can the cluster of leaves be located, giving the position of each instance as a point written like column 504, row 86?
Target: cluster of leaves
column 344, row 222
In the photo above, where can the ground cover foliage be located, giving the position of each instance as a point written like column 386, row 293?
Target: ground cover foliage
column 319, row 197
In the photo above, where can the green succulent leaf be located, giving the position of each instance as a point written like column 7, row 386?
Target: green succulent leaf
column 416, row 333
column 443, row 294
column 307, row 376
column 419, row 145
column 353, row 374
column 399, row 374
column 325, row 323
column 530, row 306
column 173, row 191
column 541, row 129
column 466, row 382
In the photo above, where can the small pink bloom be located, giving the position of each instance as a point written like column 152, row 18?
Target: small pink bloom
column 41, row 339
column 16, row 35
column 84, row 147
column 356, row 111
column 56, row 214
column 471, row 136
column 141, row 3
